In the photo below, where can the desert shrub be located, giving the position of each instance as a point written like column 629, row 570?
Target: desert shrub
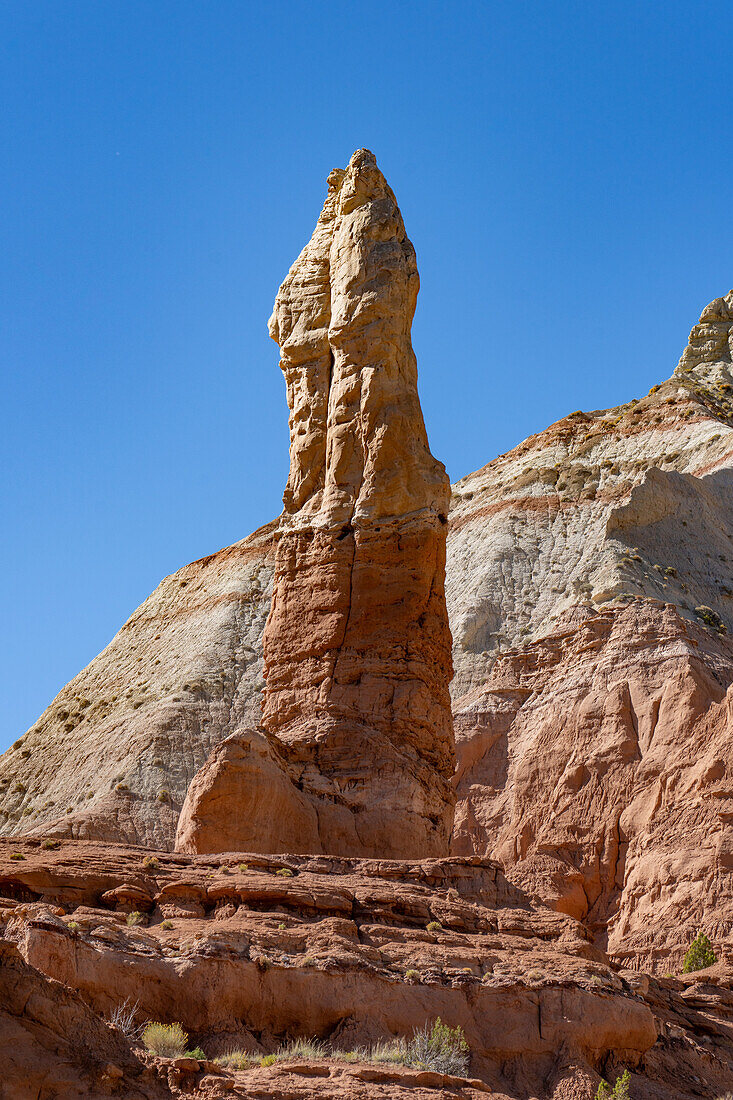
column 197, row 1052
column 165, row 1040
column 73, row 926
column 393, row 1052
column 412, row 975
column 620, row 1090
column 167, row 925
column 17, row 855
column 284, row 872
column 150, row 863
column 134, row 918
column 440, row 1048
column 163, row 795
column 297, row 1049
column 235, row 1059
column 268, row 1060
column 700, row 954
column 434, row 926
column 244, row 867
column 122, row 1017
column 711, row 618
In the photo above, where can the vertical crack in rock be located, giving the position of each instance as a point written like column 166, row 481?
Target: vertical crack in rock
column 356, row 709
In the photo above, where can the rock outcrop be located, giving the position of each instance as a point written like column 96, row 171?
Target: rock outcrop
column 357, row 646
column 590, row 592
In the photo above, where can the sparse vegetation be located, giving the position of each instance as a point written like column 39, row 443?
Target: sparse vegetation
column 197, row 1052
column 17, row 855
column 123, row 1018
column 700, row 954
column 134, row 918
column 167, row 925
column 236, row 1059
column 284, row 872
column 122, row 787
column 165, row 1040
column 300, row 1049
column 150, row 863
column 244, row 867
column 435, row 1047
column 163, row 795
column 73, row 926
column 412, row 975
column 441, row 1048
column 711, row 618
column 434, row 926
column 620, row 1090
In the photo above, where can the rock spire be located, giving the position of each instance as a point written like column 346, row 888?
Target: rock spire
column 357, row 645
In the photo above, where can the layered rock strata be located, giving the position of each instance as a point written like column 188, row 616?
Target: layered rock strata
column 248, row 951
column 610, row 529
column 357, row 644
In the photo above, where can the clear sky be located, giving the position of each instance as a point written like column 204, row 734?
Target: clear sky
column 564, row 170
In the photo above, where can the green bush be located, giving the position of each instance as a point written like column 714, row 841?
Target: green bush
column 700, row 954
column 434, row 926
column 284, row 872
column 134, row 918
column 165, row 1040
column 440, row 1048
column 150, row 863
column 620, row 1090
column 197, row 1052
column 50, row 845
column 711, row 618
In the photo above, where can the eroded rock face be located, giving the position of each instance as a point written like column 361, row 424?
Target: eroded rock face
column 594, row 764
column 357, row 644
column 591, row 589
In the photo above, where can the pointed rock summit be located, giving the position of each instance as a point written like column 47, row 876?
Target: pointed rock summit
column 357, row 647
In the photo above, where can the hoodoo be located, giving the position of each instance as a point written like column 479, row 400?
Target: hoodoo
column 356, row 711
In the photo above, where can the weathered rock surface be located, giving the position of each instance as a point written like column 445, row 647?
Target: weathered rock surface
column 589, row 589
column 247, row 951
column 114, row 754
column 357, row 644
column 629, row 500
column 595, row 765
column 53, row 1044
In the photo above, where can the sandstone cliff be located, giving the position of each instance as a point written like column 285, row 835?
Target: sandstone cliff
column 591, row 591
column 629, row 500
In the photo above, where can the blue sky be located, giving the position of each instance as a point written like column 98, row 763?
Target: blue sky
column 564, row 171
